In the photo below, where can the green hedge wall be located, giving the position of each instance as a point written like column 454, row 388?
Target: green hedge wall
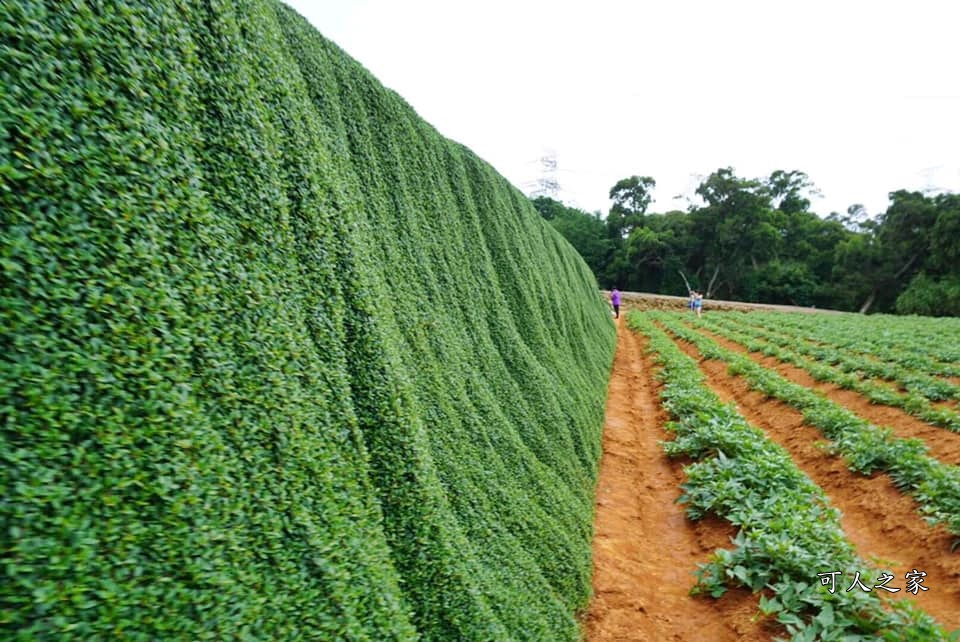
column 278, row 360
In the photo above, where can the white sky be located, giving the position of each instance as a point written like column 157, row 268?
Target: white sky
column 862, row 96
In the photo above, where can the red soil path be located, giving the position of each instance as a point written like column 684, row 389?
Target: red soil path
column 645, row 549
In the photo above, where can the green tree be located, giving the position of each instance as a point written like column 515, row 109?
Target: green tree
column 786, row 190
column 737, row 230
column 899, row 244
column 935, row 289
column 786, row 282
column 929, row 296
column 633, row 194
column 811, row 241
column 944, row 257
column 757, row 240
column 587, row 233
column 658, row 253
column 631, row 197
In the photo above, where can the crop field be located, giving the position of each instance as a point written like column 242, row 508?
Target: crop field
column 282, row 362
column 780, row 476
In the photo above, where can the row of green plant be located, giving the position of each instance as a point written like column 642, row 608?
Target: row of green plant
column 848, row 377
column 865, row 447
column 911, row 379
column 881, row 337
column 278, row 361
column 915, row 342
column 788, row 532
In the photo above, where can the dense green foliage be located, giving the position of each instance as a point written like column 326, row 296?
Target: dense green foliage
column 827, row 363
column 584, row 232
column 904, row 342
column 278, row 360
column 787, row 530
column 931, row 297
column 757, row 240
column 889, row 365
column 865, row 447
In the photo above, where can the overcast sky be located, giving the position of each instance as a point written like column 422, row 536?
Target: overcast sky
column 862, row 96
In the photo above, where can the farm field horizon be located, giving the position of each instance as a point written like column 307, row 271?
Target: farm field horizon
column 806, row 464
column 281, row 361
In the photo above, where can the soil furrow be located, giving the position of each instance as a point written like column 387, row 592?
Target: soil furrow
column 645, row 549
column 882, row 522
column 942, row 444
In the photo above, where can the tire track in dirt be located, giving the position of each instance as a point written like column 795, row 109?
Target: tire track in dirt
column 882, row 522
column 645, row 549
column 942, row 444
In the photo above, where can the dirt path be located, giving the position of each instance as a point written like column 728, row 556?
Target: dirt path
column 650, row 301
column 882, row 522
column 645, row 549
column 943, row 444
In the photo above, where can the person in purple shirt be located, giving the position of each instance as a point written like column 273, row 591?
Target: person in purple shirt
column 615, row 300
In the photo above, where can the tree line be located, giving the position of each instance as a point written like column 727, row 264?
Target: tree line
column 757, row 240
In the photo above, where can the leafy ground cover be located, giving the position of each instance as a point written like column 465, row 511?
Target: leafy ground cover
column 854, row 368
column 278, row 360
column 866, row 448
column 915, row 342
column 789, row 351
